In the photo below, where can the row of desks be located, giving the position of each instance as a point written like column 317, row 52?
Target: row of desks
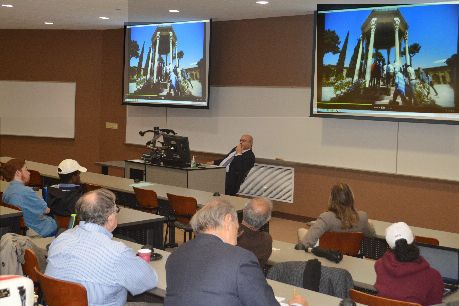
column 280, row 289
column 125, row 185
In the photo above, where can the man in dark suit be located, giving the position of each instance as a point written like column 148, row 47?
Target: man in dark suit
column 238, row 163
column 212, row 270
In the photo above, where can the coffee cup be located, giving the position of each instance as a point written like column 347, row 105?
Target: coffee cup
column 145, row 254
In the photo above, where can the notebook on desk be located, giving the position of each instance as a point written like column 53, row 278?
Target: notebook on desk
column 446, row 261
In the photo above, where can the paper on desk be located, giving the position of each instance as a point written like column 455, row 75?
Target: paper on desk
column 141, row 184
column 276, row 249
column 280, row 299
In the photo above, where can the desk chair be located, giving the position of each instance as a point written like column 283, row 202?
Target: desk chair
column 28, row 268
column 147, row 199
column 35, row 181
column 346, row 242
column 182, row 209
column 22, row 227
column 59, row 292
column 373, row 300
column 90, row 187
column 426, row 240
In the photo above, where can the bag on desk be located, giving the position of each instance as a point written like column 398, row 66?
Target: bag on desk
column 331, row 255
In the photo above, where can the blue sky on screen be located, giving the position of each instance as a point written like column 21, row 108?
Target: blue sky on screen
column 434, row 27
column 190, row 40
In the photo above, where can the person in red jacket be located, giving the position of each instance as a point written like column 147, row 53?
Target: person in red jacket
column 402, row 274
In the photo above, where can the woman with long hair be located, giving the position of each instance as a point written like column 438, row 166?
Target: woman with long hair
column 341, row 216
column 403, row 274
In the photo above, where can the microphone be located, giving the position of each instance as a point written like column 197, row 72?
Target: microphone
column 141, row 133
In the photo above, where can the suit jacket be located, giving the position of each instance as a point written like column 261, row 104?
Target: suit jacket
column 206, row 271
column 238, row 170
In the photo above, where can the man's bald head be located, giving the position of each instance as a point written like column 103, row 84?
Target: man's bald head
column 246, row 141
column 96, row 206
column 257, row 212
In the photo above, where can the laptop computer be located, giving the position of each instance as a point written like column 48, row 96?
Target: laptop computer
column 446, row 261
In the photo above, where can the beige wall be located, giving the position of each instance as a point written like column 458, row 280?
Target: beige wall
column 244, row 53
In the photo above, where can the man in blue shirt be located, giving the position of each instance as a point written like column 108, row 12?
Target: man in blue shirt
column 87, row 254
column 34, row 209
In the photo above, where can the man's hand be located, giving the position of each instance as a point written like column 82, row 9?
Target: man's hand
column 298, row 300
column 47, row 210
column 238, row 149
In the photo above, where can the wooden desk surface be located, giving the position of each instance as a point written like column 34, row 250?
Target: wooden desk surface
column 124, row 185
column 6, row 212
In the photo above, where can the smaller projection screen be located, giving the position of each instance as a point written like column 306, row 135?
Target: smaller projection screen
column 167, row 64
column 387, row 62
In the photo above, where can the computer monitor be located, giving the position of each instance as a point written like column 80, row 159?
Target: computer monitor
column 177, row 151
column 443, row 259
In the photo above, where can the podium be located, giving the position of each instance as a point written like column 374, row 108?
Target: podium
column 205, row 177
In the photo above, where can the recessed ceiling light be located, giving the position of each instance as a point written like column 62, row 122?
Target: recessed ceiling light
column 174, row 11
column 104, row 18
column 7, row 5
column 262, row 2
column 49, row 22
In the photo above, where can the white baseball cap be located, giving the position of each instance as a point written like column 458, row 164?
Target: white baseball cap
column 68, row 166
column 397, row 231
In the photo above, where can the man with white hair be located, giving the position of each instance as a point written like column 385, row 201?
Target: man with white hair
column 212, row 270
column 256, row 213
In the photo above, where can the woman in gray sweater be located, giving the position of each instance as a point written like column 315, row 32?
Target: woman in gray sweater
column 340, row 217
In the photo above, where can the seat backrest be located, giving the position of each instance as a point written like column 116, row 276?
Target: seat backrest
column 147, row 199
column 35, row 179
column 426, row 240
column 183, row 207
column 22, row 225
column 346, row 242
column 373, row 300
column 59, row 292
column 30, row 262
column 62, row 221
column 90, row 187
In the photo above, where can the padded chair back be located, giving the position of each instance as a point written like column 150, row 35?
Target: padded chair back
column 62, row 221
column 346, row 242
column 426, row 240
column 59, row 292
column 147, row 199
column 30, row 262
column 333, row 281
column 373, row 300
column 35, row 180
column 90, row 187
column 183, row 207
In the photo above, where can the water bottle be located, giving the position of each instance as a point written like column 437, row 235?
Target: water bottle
column 193, row 162
column 44, row 193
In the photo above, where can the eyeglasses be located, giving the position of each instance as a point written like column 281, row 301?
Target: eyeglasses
column 117, row 209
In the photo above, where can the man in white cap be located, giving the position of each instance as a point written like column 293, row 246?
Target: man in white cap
column 63, row 196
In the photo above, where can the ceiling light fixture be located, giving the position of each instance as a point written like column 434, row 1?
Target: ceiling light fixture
column 262, row 2
column 104, row 18
column 174, row 11
column 49, row 22
column 7, row 5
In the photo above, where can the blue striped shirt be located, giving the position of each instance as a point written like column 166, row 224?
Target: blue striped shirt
column 107, row 269
column 32, row 206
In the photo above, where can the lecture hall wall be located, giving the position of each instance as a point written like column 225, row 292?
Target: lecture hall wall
column 245, row 53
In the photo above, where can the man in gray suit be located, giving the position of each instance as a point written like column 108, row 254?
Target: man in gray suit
column 212, row 270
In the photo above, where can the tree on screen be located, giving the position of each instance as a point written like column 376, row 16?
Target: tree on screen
column 133, row 49
column 413, row 49
column 180, row 55
column 329, row 42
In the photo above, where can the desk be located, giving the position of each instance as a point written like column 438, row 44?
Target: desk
column 9, row 220
column 144, row 228
column 113, row 163
column 206, row 178
column 362, row 270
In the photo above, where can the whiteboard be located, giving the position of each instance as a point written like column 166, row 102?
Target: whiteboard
column 42, row 109
column 278, row 118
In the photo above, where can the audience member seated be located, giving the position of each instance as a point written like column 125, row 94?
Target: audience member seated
column 238, row 163
column 212, row 270
column 402, row 274
column 34, row 208
column 340, row 217
column 257, row 212
column 63, row 196
column 87, row 254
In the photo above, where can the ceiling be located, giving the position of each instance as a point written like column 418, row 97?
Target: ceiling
column 84, row 14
